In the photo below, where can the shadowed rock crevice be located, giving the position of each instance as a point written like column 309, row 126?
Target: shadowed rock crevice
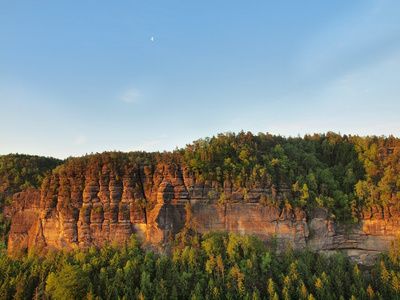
column 141, row 186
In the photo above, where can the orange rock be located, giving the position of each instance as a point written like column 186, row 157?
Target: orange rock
column 149, row 200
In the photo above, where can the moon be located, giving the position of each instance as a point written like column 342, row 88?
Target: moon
column 152, row 38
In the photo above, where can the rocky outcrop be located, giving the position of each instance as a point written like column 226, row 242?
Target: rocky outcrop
column 81, row 209
column 25, row 212
column 249, row 218
column 363, row 241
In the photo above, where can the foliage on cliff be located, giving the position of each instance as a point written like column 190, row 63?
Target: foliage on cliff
column 117, row 163
column 343, row 173
column 19, row 172
column 319, row 170
column 217, row 266
column 381, row 160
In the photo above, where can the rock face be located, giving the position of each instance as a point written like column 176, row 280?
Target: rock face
column 79, row 210
column 25, row 212
column 262, row 221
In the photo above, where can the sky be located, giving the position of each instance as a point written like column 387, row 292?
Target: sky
column 87, row 76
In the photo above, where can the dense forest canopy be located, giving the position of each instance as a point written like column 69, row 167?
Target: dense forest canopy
column 343, row 173
column 214, row 266
column 19, row 172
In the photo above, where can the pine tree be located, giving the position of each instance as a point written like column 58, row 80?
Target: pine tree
column 271, row 289
column 395, row 283
column 303, row 293
column 370, row 292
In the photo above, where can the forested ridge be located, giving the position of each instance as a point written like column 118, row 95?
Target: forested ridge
column 343, row 173
column 346, row 174
column 340, row 172
column 21, row 171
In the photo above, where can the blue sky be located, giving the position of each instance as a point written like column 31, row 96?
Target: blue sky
column 86, row 76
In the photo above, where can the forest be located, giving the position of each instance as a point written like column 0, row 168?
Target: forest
column 346, row 174
column 214, row 266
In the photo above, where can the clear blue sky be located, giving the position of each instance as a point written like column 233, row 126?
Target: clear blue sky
column 86, row 76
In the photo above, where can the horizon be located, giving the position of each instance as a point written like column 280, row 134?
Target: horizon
column 79, row 78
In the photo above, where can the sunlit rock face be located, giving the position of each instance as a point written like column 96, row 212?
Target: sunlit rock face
column 80, row 210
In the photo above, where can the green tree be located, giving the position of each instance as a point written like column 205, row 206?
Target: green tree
column 70, row 283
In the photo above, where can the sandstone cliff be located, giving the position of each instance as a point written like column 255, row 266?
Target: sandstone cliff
column 78, row 209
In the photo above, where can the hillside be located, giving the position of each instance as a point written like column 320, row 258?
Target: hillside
column 327, row 191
